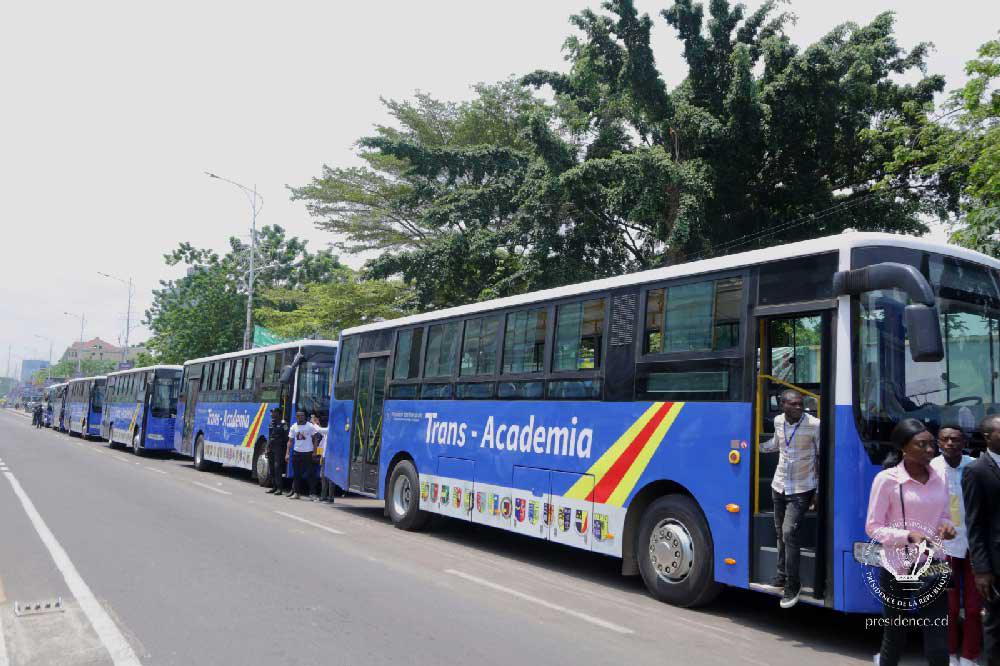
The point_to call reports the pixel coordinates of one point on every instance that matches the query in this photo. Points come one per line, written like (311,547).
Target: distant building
(99,350)
(29,368)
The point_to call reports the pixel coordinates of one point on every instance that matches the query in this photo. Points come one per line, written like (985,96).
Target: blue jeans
(788,513)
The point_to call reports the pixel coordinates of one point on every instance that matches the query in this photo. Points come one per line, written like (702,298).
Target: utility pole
(256,204)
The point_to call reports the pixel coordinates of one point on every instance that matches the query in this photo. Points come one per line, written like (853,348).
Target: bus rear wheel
(137,447)
(200,463)
(675,553)
(403,498)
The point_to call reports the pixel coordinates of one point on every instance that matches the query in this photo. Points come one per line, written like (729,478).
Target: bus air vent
(622,320)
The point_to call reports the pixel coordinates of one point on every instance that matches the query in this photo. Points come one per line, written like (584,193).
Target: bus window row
(559,350)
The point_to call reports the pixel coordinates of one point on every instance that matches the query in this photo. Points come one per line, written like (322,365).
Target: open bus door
(793,352)
(191,391)
(366,428)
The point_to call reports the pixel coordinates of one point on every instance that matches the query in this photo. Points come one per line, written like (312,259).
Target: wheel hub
(401,495)
(671,550)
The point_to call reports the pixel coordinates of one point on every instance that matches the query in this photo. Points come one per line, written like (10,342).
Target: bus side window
(237,380)
(248,374)
(224,376)
(439,361)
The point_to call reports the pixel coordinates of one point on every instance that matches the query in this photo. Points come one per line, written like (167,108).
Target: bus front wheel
(200,463)
(403,498)
(137,448)
(675,552)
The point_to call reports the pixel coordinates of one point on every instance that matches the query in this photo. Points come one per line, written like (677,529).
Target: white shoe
(875,659)
(952,660)
(962,661)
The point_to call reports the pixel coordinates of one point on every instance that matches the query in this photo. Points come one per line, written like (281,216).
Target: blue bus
(54,404)
(224,410)
(623,416)
(140,408)
(84,405)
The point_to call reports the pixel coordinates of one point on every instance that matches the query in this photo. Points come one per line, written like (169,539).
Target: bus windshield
(164,403)
(315,386)
(961,388)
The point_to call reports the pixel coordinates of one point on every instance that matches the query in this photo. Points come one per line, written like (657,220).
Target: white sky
(112,111)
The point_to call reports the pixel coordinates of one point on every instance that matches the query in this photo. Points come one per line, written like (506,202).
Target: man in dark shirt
(277,443)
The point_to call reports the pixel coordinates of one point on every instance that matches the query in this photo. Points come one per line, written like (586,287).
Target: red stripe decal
(607,483)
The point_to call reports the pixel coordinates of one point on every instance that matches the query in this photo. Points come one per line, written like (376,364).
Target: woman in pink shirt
(908,514)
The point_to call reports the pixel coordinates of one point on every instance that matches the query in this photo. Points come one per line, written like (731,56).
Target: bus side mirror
(289,372)
(924,331)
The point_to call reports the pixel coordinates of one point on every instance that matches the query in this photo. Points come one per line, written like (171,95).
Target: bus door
(793,352)
(190,400)
(366,427)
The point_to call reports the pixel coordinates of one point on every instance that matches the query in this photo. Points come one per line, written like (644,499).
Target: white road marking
(212,488)
(541,602)
(105,628)
(309,522)
(120,459)
(153,469)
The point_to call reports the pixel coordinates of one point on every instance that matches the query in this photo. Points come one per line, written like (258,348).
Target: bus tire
(137,447)
(200,463)
(402,498)
(262,467)
(675,553)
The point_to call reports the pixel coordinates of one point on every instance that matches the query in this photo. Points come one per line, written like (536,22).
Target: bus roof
(86,379)
(294,344)
(144,369)
(844,241)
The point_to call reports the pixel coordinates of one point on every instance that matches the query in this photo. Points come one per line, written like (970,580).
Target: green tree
(323,309)
(763,142)
(203,312)
(961,146)
(66,368)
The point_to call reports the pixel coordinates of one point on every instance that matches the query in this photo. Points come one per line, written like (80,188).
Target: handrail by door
(758,425)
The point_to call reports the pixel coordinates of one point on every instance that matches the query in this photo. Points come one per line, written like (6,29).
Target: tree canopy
(203,312)
(762,142)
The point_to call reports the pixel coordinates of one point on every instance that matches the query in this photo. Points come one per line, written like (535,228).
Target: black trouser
(933,615)
(788,513)
(991,627)
(276,463)
(302,471)
(326,487)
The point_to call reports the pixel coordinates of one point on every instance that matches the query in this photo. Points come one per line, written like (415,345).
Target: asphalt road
(158,563)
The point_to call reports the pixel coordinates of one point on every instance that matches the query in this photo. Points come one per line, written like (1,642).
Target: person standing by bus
(277,445)
(981,492)
(301,452)
(965,638)
(325,487)
(796,439)
(908,506)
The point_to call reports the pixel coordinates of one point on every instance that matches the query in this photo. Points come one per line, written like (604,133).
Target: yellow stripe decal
(251,435)
(631,477)
(582,488)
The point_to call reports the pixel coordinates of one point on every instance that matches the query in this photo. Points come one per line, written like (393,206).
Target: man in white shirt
(793,489)
(965,639)
(302,452)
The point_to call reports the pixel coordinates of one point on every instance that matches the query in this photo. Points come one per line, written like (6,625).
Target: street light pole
(83,322)
(48,372)
(128,313)
(256,204)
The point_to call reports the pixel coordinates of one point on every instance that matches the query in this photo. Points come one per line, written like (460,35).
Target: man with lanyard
(964,638)
(277,443)
(796,439)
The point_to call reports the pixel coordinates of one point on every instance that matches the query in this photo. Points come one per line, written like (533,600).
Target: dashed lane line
(212,488)
(611,626)
(318,526)
(153,469)
(105,628)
